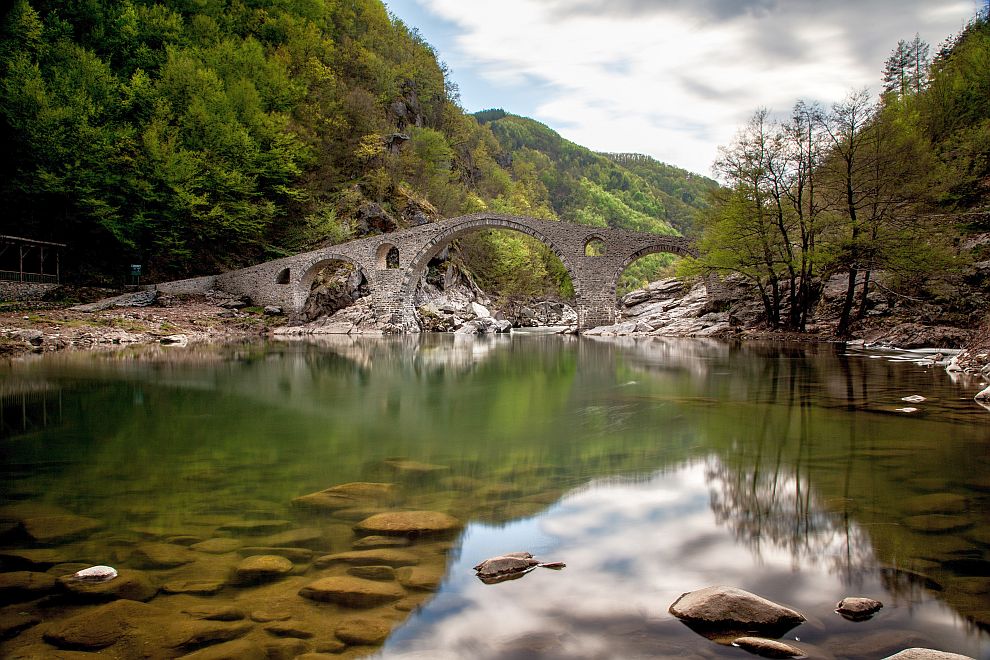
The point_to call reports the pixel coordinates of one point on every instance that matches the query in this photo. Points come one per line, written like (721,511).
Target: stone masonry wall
(286,282)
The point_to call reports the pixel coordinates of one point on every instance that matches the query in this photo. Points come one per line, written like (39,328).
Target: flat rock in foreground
(732,608)
(406,523)
(352,591)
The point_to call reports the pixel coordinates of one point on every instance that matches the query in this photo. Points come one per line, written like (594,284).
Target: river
(651,468)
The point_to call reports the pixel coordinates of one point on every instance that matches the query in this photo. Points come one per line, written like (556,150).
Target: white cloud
(675,79)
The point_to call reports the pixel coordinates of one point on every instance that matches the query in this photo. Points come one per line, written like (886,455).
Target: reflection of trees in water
(777,506)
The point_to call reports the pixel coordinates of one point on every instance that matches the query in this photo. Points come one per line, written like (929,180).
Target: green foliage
(193,137)
(864,188)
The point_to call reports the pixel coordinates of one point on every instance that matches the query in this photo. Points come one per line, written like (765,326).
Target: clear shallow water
(652,468)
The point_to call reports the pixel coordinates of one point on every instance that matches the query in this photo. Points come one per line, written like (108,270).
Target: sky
(670,78)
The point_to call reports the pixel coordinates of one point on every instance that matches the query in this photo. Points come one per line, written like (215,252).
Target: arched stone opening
(594,247)
(647,265)
(387,257)
(330,285)
(442,241)
(283,276)
(420,263)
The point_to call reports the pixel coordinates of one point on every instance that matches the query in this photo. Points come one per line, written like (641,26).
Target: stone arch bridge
(394,263)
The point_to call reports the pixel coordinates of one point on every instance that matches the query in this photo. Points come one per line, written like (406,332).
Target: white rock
(914,398)
(480,310)
(174,340)
(983,395)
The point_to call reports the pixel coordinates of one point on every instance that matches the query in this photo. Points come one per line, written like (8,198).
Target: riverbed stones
(34,559)
(381,557)
(420,578)
(128,585)
(730,608)
(239,649)
(345,496)
(215,612)
(369,542)
(14,622)
(303,537)
(935,503)
(295,555)
(858,608)
(193,587)
(352,592)
(217,546)
(256,527)
(935,523)
(191,634)
(18,586)
(59,528)
(101,626)
(926,654)
(261,568)
(384,573)
(409,523)
(363,631)
(768,648)
(414,468)
(161,555)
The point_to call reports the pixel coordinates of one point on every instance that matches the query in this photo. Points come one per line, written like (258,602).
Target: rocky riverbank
(664,308)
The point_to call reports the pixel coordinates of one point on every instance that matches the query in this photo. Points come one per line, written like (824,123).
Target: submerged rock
(128,585)
(768,648)
(352,591)
(347,496)
(161,555)
(239,649)
(101,626)
(409,523)
(56,529)
(24,585)
(364,631)
(926,654)
(379,557)
(261,568)
(733,609)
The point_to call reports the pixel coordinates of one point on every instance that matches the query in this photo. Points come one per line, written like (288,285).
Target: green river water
(651,468)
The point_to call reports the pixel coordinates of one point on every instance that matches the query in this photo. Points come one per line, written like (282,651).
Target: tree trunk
(863,304)
(847,304)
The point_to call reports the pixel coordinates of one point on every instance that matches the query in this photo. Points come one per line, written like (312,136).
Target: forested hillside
(193,137)
(893,193)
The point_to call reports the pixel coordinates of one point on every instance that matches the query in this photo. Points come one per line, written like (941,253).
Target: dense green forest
(193,136)
(884,191)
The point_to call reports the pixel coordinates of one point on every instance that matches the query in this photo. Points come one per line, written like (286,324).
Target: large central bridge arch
(467,225)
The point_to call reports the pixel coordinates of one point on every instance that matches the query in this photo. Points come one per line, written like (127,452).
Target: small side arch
(595,246)
(283,276)
(387,256)
(682,247)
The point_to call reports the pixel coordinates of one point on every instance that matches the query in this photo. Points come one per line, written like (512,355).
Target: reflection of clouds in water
(631,549)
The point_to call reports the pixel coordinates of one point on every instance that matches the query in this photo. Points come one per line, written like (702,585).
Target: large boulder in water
(729,608)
